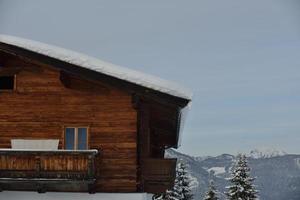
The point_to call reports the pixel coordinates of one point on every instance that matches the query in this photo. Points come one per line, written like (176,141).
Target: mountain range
(277,174)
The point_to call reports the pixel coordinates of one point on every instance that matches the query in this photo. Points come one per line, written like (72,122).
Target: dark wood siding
(45,101)
(157,132)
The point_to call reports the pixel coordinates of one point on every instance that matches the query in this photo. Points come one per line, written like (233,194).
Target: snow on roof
(100,66)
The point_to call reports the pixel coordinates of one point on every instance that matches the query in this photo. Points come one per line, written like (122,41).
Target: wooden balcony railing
(158,174)
(46,169)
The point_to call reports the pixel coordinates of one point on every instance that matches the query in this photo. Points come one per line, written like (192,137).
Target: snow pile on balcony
(13,195)
(34,144)
(100,66)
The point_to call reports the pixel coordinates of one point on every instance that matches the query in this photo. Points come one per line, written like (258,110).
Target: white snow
(201,158)
(297,161)
(100,66)
(194,183)
(217,170)
(34,144)
(265,153)
(7,195)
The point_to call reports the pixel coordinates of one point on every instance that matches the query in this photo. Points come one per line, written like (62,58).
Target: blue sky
(240,58)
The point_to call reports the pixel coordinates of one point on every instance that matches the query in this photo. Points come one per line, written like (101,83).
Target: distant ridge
(266,153)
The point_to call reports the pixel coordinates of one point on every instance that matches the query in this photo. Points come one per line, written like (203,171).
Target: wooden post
(143,141)
(91,166)
(145,131)
(91,173)
(40,188)
(38,166)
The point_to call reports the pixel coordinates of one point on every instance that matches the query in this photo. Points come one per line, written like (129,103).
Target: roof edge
(94,75)
(84,61)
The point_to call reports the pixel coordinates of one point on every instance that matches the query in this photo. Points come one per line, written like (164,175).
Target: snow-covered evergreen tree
(183,182)
(181,189)
(242,187)
(211,194)
(169,195)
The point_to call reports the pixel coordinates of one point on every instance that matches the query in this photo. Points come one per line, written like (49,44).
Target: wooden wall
(45,101)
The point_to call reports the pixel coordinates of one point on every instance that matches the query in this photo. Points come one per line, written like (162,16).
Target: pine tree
(173,194)
(181,189)
(211,194)
(242,184)
(183,182)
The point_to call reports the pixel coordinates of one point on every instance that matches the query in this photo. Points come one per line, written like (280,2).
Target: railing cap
(88,151)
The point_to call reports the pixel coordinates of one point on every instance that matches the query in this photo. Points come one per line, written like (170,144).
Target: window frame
(76,136)
(15,84)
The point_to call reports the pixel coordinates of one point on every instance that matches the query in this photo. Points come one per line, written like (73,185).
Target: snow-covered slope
(297,161)
(100,66)
(217,170)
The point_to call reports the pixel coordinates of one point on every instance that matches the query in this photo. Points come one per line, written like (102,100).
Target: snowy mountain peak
(266,153)
(201,158)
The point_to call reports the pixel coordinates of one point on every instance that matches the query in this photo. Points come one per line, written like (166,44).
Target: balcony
(44,170)
(159,174)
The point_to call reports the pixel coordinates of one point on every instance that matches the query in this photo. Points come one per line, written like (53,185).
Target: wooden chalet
(72,123)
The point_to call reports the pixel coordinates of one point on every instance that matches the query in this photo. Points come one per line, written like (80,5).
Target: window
(7,82)
(76,138)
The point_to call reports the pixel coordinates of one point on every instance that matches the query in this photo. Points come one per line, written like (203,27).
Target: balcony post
(91,173)
(91,166)
(38,166)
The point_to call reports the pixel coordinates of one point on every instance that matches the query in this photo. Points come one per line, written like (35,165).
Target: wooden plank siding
(44,103)
(158,174)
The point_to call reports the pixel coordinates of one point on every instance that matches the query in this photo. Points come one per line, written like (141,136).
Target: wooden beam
(143,139)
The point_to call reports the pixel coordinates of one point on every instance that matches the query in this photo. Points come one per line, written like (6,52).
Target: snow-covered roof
(100,66)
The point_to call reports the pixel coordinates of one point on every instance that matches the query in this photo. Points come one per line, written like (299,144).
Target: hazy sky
(240,58)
